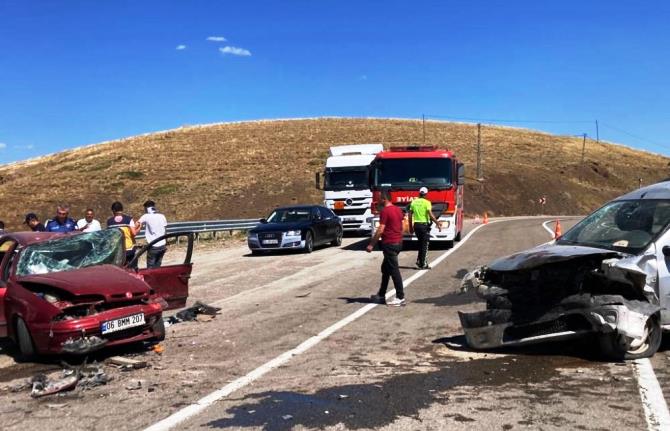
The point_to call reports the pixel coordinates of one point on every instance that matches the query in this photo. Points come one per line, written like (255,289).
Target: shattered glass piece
(83,345)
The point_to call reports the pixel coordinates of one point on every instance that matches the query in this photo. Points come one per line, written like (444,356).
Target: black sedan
(296,227)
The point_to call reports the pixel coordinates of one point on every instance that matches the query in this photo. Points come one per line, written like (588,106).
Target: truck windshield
(72,252)
(346,179)
(413,173)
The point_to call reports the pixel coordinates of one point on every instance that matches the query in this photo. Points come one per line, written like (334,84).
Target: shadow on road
(360,300)
(582,348)
(401,394)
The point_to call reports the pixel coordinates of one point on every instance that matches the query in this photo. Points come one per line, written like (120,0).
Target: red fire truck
(404,170)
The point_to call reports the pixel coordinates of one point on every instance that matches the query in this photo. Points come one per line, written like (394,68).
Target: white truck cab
(345,184)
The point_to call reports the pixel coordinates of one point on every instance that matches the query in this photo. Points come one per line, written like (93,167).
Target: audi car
(74,293)
(300,227)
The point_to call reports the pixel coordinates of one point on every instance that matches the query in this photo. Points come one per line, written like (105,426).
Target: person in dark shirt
(128,226)
(390,231)
(34,223)
(61,223)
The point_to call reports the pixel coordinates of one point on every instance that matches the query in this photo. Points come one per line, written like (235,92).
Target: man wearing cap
(61,223)
(420,217)
(34,223)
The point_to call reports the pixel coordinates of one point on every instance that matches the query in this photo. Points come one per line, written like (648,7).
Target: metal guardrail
(208,226)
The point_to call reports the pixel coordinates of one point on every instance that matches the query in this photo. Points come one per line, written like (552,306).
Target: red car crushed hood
(109,281)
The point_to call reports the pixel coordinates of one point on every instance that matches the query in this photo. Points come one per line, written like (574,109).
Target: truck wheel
(338,237)
(25,341)
(309,242)
(617,347)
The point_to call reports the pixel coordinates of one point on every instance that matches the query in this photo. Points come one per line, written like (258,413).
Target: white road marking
(194,409)
(547,228)
(655,408)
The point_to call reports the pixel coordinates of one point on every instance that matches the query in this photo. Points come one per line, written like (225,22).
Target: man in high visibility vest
(420,218)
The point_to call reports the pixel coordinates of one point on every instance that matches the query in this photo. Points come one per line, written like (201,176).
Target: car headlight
(293,233)
(252,236)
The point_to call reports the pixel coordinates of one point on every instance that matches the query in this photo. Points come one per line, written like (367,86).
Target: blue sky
(80,72)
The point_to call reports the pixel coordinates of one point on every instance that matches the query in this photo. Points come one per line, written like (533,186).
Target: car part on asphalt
(83,345)
(190,314)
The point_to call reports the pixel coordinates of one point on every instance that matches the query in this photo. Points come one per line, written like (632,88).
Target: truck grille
(350,211)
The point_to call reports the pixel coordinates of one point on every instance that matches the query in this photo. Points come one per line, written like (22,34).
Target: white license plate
(270,241)
(122,323)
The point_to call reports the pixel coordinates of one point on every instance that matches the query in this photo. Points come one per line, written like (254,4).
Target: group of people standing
(152,220)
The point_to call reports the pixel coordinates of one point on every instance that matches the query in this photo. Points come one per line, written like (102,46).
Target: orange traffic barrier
(557,229)
(486,218)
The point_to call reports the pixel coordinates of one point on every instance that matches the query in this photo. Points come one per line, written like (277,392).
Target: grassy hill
(240,170)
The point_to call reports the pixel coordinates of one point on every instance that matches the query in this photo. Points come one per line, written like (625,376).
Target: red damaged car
(74,294)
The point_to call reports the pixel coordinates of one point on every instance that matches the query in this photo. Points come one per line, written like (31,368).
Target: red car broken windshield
(72,252)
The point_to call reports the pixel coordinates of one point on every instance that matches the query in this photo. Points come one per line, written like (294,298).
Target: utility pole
(581,171)
(423,123)
(480,175)
(597,133)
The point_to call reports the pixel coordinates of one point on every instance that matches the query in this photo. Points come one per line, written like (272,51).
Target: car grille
(270,235)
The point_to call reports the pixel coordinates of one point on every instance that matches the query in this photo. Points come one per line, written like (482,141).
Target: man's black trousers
(422,232)
(390,269)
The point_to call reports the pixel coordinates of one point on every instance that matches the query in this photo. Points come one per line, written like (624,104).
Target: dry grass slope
(244,169)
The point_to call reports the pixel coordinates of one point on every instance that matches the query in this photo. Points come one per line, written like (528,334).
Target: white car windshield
(627,226)
(72,252)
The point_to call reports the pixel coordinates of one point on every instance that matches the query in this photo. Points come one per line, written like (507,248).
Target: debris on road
(287,417)
(127,363)
(43,386)
(197,312)
(157,348)
(135,385)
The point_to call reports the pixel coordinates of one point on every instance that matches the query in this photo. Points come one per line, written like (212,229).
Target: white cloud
(216,39)
(24,147)
(3,146)
(180,47)
(233,50)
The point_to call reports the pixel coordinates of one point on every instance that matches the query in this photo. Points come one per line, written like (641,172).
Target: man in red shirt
(390,232)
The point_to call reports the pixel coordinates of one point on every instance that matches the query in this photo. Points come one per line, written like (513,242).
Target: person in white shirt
(154,224)
(88,223)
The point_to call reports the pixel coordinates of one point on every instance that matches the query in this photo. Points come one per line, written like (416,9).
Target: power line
(635,136)
(498,120)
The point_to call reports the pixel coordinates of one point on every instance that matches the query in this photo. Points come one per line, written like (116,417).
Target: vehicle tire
(159,330)
(24,340)
(458,236)
(309,242)
(450,244)
(615,347)
(338,237)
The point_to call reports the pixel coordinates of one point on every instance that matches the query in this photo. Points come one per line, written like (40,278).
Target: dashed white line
(194,409)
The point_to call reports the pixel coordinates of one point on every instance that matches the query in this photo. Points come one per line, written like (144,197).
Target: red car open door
(7,248)
(170,281)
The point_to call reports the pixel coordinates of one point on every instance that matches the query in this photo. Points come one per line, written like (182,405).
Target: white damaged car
(609,275)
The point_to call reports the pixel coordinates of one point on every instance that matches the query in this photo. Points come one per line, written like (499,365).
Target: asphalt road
(384,368)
